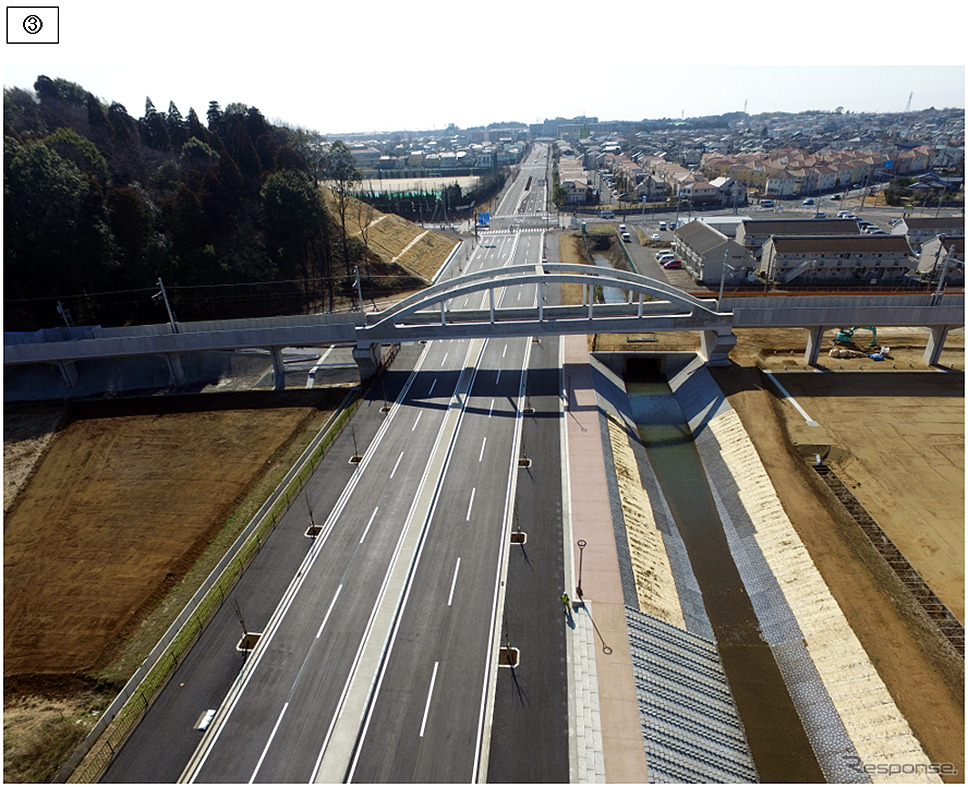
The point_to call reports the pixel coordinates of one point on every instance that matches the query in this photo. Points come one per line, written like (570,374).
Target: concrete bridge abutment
(715,346)
(814,340)
(932,353)
(369,358)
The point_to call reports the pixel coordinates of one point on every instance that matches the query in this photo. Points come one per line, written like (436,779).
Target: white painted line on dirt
(430,693)
(794,402)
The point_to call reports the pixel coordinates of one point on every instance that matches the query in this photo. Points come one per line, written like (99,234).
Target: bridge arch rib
(541,274)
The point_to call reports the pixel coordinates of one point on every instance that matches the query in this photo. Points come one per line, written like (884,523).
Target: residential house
(936,252)
(753,233)
(707,254)
(920,230)
(836,259)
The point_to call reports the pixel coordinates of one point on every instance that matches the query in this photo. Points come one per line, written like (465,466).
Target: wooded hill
(98,205)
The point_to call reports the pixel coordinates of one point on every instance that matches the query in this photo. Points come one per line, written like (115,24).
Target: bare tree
(343,177)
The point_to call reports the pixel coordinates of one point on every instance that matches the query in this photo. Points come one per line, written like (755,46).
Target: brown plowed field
(120,504)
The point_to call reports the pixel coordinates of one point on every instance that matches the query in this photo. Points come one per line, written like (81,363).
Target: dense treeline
(99,205)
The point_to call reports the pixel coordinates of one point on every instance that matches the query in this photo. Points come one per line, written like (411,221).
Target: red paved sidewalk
(624,752)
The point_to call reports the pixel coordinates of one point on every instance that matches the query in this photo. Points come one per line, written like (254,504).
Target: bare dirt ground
(103,544)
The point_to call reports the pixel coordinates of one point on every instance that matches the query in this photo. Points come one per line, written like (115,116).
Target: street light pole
(581,550)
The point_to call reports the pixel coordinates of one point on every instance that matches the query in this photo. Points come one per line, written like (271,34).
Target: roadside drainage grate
(949,626)
(519,537)
(356,459)
(509,657)
(313,530)
(248,641)
(524,462)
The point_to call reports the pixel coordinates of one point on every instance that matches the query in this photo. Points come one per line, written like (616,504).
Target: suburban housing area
(276,548)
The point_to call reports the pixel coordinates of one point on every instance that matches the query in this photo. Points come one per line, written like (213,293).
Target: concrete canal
(778,743)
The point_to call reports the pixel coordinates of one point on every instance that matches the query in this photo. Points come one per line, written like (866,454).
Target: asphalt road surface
(379,638)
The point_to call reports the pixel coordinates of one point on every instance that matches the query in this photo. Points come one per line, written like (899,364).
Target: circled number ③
(33,24)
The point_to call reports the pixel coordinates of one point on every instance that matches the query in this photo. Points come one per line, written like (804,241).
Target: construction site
(856,510)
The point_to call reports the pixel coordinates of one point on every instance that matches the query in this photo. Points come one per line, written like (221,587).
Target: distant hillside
(100,205)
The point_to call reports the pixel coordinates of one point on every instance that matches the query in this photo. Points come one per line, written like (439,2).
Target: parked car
(672,225)
(672,265)
(656,236)
(662,225)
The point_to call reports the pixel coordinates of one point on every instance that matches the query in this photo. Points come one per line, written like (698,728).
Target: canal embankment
(853,726)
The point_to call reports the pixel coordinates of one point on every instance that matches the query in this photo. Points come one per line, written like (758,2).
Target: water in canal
(778,743)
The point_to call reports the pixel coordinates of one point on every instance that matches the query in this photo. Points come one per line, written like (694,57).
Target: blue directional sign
(483,219)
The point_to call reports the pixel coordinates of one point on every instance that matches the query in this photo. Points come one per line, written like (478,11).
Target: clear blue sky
(382,65)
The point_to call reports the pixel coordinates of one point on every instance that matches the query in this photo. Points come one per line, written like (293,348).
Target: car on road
(626,237)
(808,202)
(662,225)
(672,225)
(656,236)
(672,265)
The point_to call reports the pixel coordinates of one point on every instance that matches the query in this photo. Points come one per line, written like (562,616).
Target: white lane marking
(470,505)
(417,421)
(481,457)
(312,372)
(432,387)
(393,472)
(372,517)
(430,693)
(331,605)
(490,409)
(794,402)
(268,743)
(505,351)
(453,583)
(444,359)
(498,377)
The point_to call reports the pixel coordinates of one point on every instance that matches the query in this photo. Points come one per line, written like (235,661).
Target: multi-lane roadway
(379,662)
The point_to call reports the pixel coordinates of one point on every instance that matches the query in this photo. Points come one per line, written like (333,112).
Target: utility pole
(164,296)
(64,312)
(359,288)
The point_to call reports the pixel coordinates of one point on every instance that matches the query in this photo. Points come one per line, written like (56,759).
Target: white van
(663,225)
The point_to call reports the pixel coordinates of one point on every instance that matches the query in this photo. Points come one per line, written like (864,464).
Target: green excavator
(846,335)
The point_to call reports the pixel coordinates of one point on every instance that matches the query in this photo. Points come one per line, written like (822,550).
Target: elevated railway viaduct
(434,313)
